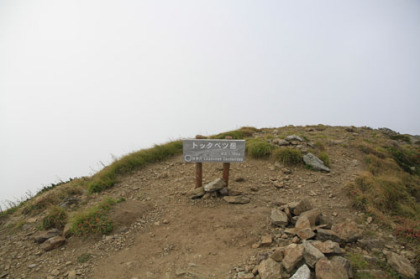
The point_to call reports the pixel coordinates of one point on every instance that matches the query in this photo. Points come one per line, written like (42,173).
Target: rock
(196,193)
(278,218)
(224,191)
(325,269)
(32,266)
(311,254)
(269,269)
(55,272)
(67,231)
(306,233)
(293,254)
(345,263)
(302,273)
(266,240)
(239,179)
(347,231)
(215,185)
(280,142)
(72,274)
(237,199)
(234,193)
(312,215)
(45,235)
(302,223)
(372,273)
(324,235)
(315,163)
(245,275)
(302,206)
(69,202)
(294,138)
(53,243)
(371,243)
(325,220)
(400,264)
(278,255)
(327,247)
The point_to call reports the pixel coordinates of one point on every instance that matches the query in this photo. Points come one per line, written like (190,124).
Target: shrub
(258,148)
(83,258)
(56,218)
(288,156)
(94,220)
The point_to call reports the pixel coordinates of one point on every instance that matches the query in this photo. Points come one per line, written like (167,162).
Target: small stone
(278,255)
(53,243)
(307,233)
(245,275)
(266,240)
(255,246)
(347,231)
(72,274)
(335,214)
(302,206)
(315,163)
(237,199)
(196,193)
(326,269)
(55,272)
(369,220)
(401,265)
(303,272)
(278,218)
(215,185)
(293,254)
(327,247)
(324,235)
(311,254)
(32,266)
(224,191)
(269,269)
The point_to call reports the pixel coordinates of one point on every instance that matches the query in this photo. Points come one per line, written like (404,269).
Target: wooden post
(198,172)
(198,175)
(226,168)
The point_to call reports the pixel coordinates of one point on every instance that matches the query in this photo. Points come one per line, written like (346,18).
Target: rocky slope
(275,221)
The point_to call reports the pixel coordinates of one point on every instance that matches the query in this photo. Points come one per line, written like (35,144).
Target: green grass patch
(106,178)
(241,133)
(288,156)
(407,159)
(323,156)
(94,220)
(258,148)
(84,258)
(56,218)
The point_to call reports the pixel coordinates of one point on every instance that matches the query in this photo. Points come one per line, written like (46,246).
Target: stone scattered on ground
(315,163)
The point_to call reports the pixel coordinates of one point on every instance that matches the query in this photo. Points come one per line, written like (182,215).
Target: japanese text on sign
(204,150)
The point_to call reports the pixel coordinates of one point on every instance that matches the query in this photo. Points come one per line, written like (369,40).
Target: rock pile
(218,188)
(309,245)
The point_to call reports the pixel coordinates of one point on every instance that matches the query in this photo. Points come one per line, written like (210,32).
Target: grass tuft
(258,148)
(94,220)
(56,218)
(288,156)
(106,178)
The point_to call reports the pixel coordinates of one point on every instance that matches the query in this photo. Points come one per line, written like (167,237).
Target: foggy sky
(82,81)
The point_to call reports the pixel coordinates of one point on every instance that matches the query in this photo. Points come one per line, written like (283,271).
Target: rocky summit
(308,202)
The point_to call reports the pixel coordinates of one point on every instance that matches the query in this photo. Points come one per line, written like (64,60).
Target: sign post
(208,150)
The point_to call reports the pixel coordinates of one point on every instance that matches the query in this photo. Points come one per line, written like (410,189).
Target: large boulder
(45,235)
(314,162)
(327,247)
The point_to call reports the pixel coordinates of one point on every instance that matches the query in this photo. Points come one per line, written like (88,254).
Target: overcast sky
(82,81)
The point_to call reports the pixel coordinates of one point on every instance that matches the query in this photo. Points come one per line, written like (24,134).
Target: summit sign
(208,150)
